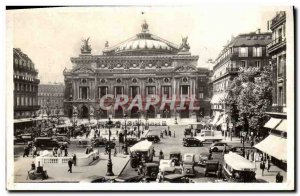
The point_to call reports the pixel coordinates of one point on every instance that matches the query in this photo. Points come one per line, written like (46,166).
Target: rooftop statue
(106,44)
(184,45)
(86,48)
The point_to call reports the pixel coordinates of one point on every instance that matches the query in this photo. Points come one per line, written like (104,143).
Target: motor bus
(140,153)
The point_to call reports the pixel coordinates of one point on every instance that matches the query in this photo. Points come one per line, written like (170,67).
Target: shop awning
(272,123)
(216,118)
(275,146)
(21,120)
(222,120)
(282,126)
(218,98)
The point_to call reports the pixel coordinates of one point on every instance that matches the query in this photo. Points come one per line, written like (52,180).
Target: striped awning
(216,118)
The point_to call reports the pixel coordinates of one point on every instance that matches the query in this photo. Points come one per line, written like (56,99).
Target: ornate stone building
(25,86)
(51,99)
(144,65)
(243,51)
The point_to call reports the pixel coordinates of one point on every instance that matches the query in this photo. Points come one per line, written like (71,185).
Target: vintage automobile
(141,153)
(238,169)
(98,141)
(237,149)
(150,171)
(94,179)
(189,164)
(153,138)
(176,178)
(219,146)
(131,141)
(46,142)
(127,179)
(192,142)
(203,158)
(176,157)
(211,167)
(63,140)
(164,163)
(24,138)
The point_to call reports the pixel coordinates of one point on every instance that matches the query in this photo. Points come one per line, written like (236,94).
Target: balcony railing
(276,41)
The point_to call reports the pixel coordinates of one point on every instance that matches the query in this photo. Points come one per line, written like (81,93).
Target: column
(115,91)
(80,92)
(180,91)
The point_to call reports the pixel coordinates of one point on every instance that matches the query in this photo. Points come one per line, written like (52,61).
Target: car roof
(151,164)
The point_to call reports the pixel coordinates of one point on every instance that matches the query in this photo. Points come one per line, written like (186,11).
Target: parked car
(94,179)
(211,167)
(62,139)
(203,158)
(176,178)
(192,142)
(237,149)
(131,141)
(189,164)
(126,179)
(153,138)
(176,157)
(164,163)
(150,171)
(218,146)
(98,141)
(46,142)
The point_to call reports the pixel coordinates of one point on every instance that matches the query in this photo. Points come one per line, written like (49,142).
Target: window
(243,52)
(185,90)
(201,88)
(257,51)
(201,95)
(103,91)
(150,90)
(119,90)
(257,64)
(166,90)
(243,64)
(281,63)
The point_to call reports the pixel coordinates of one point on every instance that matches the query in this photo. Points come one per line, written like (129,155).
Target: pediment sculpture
(83,70)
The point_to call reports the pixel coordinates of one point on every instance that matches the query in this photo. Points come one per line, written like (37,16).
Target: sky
(51,36)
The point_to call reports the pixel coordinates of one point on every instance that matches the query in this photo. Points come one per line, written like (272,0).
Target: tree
(249,96)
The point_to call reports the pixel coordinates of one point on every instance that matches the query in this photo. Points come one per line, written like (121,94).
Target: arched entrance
(166,113)
(134,112)
(84,112)
(185,113)
(119,112)
(151,112)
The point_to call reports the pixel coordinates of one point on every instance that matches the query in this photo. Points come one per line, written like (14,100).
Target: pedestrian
(248,154)
(34,151)
(70,163)
(161,135)
(262,167)
(153,152)
(220,171)
(74,159)
(174,134)
(170,134)
(59,152)
(26,151)
(252,143)
(279,178)
(87,150)
(66,152)
(115,152)
(161,154)
(269,165)
(166,133)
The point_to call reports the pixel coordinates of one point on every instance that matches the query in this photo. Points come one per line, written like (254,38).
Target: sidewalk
(59,173)
(269,176)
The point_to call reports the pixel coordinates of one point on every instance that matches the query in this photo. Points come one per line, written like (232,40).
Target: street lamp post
(139,123)
(109,163)
(125,132)
(57,114)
